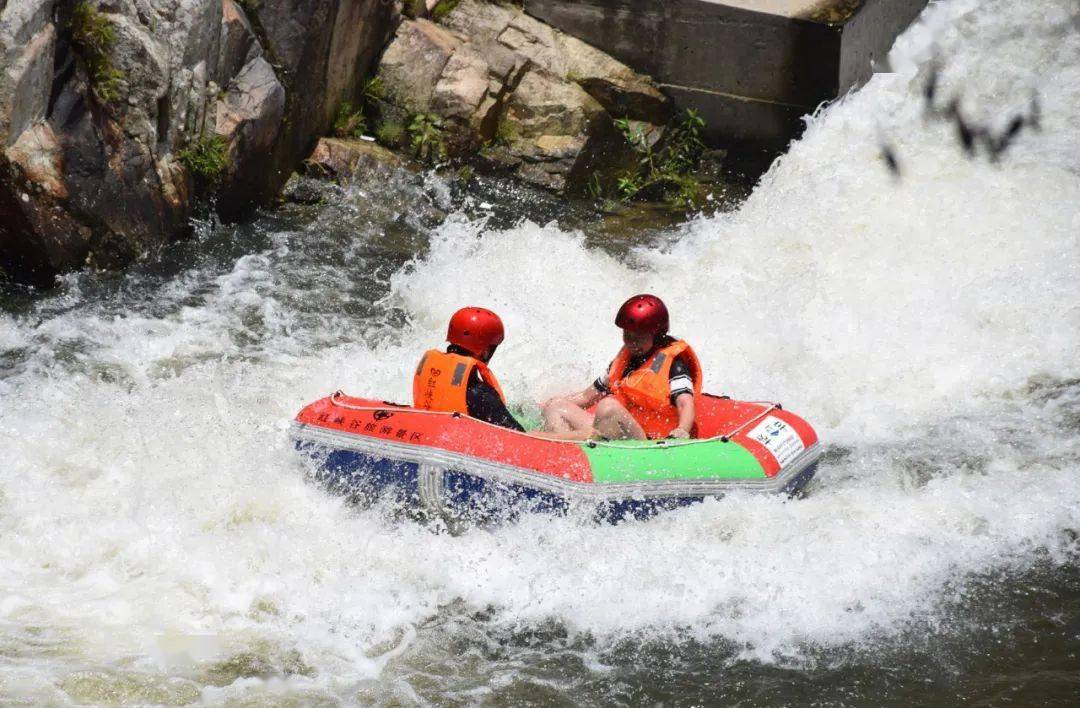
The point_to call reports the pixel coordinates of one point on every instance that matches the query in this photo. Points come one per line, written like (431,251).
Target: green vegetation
(666,172)
(506,132)
(350,122)
(93,37)
(444,8)
(466,174)
(390,133)
(427,137)
(206,159)
(373,90)
(593,187)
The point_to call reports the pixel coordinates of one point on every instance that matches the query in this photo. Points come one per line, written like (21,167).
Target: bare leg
(564,416)
(614,422)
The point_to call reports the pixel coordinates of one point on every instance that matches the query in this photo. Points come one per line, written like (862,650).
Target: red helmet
(475,329)
(643,313)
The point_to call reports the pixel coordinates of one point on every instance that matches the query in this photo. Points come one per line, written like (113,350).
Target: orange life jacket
(646,391)
(442,379)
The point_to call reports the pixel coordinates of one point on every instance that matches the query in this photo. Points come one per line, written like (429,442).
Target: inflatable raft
(460,468)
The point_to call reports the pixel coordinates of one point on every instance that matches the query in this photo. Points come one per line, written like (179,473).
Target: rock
(32,195)
(560,133)
(250,115)
(84,180)
(142,61)
(619,89)
(342,159)
(360,31)
(488,66)
(319,50)
(37,152)
(36,261)
(482,21)
(250,119)
(238,43)
(25,84)
(115,190)
(413,63)
(416,9)
(462,86)
(27,41)
(623,92)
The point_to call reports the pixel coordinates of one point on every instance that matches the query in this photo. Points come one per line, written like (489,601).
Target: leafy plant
(427,134)
(206,158)
(593,187)
(628,186)
(666,172)
(93,37)
(390,134)
(685,146)
(373,89)
(350,123)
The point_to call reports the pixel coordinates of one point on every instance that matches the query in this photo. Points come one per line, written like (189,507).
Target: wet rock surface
(342,159)
(100,101)
(117,116)
(532,101)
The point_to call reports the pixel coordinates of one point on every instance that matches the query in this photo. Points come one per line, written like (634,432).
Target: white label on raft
(779,438)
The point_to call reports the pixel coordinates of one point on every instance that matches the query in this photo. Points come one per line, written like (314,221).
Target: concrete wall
(752,68)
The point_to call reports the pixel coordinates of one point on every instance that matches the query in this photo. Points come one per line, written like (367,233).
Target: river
(161,543)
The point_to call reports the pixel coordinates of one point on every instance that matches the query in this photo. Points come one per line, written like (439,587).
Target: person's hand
(679,434)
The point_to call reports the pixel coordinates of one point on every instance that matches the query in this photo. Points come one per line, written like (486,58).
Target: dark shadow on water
(998,639)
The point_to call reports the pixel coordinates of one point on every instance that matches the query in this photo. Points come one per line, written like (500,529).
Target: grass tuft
(206,159)
(93,38)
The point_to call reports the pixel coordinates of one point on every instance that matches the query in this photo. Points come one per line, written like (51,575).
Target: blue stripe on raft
(363,478)
(366,479)
(478,499)
(797,483)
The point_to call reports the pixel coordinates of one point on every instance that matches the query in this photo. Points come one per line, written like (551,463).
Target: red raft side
(405,425)
(395,423)
(718,416)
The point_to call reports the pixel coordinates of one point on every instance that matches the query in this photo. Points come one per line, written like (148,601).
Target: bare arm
(685,405)
(586,398)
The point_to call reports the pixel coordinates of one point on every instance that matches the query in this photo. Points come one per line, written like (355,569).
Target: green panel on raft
(647,461)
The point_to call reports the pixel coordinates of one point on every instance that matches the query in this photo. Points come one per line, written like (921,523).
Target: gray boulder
(25,81)
(618,88)
(413,63)
(250,118)
(516,89)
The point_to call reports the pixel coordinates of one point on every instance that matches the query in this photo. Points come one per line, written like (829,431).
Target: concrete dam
(751,68)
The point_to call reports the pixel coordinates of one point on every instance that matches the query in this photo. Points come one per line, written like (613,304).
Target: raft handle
(725,438)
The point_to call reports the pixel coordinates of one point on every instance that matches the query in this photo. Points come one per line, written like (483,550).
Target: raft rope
(618,445)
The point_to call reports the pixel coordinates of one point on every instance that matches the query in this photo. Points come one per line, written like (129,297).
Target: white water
(154,519)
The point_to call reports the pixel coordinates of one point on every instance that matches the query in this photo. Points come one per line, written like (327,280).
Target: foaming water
(161,544)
